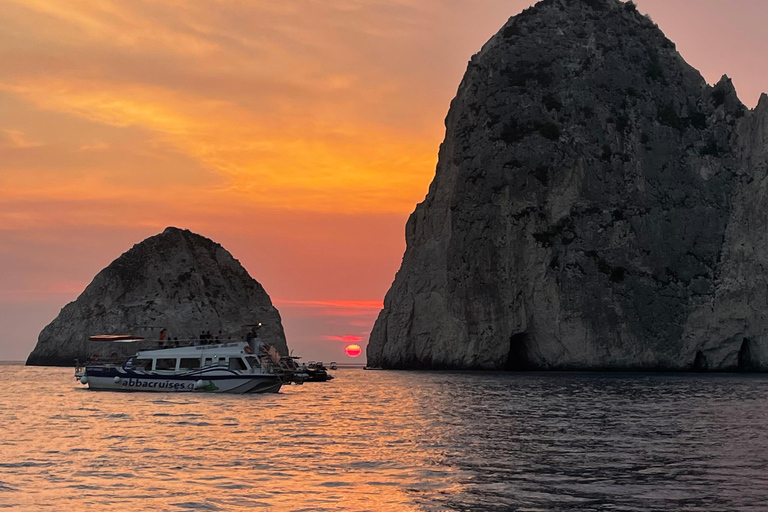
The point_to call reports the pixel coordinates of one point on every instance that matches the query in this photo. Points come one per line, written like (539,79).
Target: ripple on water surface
(390,441)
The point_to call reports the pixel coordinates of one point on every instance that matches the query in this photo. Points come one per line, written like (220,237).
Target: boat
(315,372)
(236,367)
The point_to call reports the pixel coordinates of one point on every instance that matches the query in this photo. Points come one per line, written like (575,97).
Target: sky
(299,134)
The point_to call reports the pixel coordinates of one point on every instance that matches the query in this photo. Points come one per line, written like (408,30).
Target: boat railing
(111,360)
(193,342)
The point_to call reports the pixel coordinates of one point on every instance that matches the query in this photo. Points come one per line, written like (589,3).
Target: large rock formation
(596,205)
(178,281)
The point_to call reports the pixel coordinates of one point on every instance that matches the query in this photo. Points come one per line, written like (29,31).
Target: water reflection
(390,441)
(609,442)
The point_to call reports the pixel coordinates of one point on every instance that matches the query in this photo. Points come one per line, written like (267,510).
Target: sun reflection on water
(325,446)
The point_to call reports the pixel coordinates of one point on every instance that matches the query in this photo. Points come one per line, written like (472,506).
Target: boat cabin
(173,360)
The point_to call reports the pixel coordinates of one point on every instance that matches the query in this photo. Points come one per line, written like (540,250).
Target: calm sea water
(390,441)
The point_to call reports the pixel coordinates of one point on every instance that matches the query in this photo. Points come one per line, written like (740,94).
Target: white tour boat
(221,368)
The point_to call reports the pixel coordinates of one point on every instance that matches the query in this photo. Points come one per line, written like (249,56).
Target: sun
(353,350)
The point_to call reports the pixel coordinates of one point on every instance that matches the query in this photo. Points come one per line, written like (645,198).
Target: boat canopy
(117,338)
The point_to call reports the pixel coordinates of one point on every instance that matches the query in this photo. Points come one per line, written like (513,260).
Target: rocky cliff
(178,281)
(596,205)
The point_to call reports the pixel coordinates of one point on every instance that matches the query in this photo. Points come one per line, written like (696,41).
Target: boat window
(222,361)
(236,363)
(142,364)
(253,362)
(165,364)
(189,363)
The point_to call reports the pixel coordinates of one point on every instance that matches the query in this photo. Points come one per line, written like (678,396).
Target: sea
(390,441)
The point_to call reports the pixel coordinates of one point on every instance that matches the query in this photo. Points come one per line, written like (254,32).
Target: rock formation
(596,205)
(178,281)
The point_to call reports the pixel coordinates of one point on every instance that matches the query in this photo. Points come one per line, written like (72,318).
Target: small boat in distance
(236,367)
(315,372)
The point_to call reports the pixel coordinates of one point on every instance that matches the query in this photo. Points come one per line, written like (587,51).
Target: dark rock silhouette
(596,206)
(178,281)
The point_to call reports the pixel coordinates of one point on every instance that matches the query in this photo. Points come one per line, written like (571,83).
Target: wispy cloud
(55,291)
(347,338)
(293,102)
(17,139)
(349,309)
(95,146)
(375,304)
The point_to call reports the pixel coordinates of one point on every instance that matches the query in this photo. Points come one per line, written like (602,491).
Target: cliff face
(176,280)
(596,205)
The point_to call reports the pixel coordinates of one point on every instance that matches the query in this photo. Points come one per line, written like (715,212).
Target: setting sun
(353,350)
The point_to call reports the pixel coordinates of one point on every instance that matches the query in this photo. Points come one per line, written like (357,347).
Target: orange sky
(297,133)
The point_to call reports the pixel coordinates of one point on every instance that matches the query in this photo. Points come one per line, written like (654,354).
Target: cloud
(95,146)
(53,291)
(374,304)
(296,103)
(347,338)
(16,139)
(367,309)
(291,162)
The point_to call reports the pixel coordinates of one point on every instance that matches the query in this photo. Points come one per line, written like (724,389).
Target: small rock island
(178,281)
(596,206)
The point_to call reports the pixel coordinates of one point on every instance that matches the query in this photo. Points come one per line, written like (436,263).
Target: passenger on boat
(161,339)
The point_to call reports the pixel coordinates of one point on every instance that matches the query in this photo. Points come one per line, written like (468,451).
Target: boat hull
(213,381)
